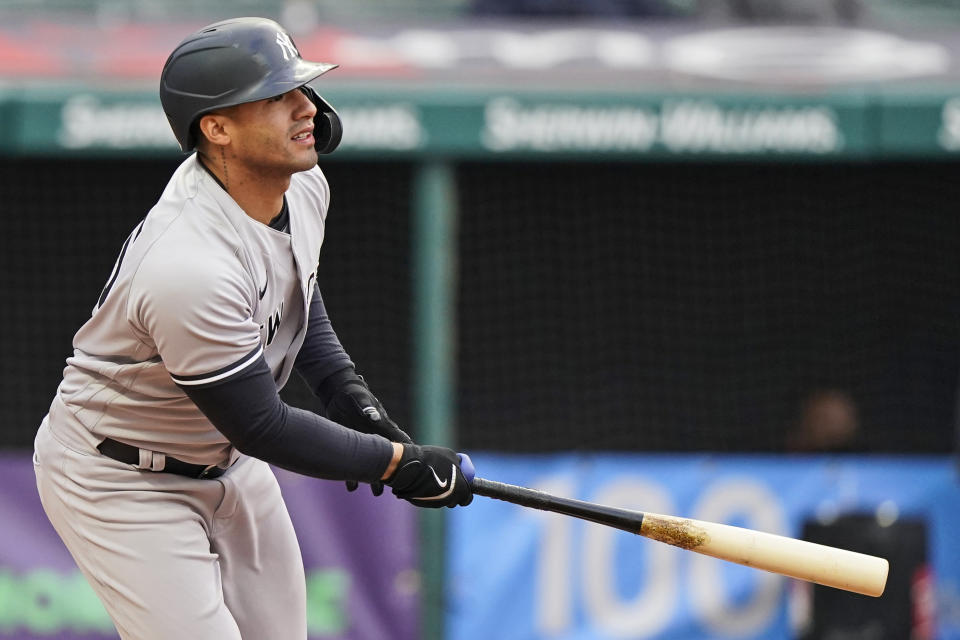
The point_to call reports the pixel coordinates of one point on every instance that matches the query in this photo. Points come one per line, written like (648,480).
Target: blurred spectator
(579,8)
(784,11)
(790,11)
(828,422)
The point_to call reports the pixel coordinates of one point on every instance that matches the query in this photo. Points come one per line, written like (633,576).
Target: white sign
(87,122)
(679,126)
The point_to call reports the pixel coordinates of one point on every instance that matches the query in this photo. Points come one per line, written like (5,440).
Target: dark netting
(602,306)
(365,279)
(697,307)
(66,219)
(64,223)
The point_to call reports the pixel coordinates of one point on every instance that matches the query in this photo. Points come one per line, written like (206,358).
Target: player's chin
(305,159)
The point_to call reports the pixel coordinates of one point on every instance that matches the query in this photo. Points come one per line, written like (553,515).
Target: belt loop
(146,459)
(152,460)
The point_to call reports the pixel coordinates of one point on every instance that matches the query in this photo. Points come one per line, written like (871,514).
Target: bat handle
(466,466)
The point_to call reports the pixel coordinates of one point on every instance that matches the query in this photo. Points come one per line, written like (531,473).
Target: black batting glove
(353,405)
(348,401)
(428,476)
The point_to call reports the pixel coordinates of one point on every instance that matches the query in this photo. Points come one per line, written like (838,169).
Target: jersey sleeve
(199,315)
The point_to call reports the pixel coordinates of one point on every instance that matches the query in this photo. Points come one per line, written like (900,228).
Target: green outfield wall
(492,124)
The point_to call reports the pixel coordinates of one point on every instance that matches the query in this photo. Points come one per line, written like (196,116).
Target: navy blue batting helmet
(236,61)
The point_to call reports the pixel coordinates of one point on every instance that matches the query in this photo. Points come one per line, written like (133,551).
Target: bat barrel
(800,559)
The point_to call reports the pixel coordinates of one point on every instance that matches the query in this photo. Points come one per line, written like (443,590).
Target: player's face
(276,134)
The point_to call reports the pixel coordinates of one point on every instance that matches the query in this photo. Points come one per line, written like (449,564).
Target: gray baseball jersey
(199,291)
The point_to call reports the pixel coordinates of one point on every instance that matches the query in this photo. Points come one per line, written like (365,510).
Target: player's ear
(213,127)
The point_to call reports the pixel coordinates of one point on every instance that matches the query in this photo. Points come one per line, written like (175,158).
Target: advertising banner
(490,123)
(518,573)
(358,587)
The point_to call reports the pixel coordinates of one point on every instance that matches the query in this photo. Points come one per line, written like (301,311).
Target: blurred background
(695,257)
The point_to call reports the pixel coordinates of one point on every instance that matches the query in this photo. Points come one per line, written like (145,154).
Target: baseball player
(152,463)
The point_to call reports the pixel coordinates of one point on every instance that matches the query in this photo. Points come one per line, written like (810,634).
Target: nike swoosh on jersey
(263,291)
(453,483)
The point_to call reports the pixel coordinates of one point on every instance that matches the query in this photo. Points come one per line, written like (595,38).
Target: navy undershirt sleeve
(247,409)
(321,354)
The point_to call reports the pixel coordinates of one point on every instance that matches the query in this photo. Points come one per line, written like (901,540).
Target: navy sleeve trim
(220,374)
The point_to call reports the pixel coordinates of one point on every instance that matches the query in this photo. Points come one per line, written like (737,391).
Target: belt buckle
(206,471)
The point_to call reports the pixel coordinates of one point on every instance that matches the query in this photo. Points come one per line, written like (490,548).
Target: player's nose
(304,106)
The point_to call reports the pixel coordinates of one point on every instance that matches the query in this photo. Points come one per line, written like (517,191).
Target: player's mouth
(304,137)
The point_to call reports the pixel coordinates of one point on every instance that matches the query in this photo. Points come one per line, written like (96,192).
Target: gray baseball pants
(175,557)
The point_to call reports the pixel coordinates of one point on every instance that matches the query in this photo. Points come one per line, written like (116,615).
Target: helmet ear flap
(331,131)
(328,129)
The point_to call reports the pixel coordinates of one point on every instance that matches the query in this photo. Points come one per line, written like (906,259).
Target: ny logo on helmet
(286,46)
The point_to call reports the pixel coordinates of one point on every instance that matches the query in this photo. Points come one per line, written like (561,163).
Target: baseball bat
(829,566)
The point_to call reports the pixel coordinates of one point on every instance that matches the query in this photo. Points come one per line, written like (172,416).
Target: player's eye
(276,98)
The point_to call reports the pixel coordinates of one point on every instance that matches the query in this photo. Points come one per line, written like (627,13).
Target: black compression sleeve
(321,353)
(248,411)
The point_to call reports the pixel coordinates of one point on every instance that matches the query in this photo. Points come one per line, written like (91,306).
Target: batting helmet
(236,61)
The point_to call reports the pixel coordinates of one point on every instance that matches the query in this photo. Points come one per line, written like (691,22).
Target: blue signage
(518,573)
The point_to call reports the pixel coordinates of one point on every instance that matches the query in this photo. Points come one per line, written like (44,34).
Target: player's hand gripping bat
(800,559)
